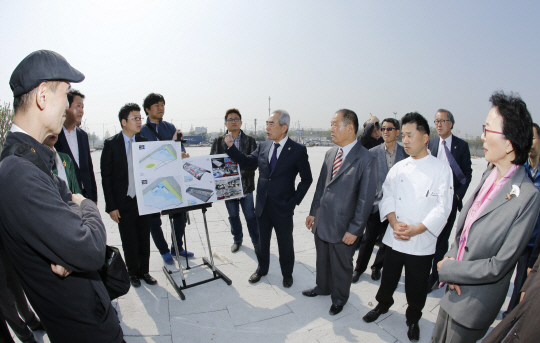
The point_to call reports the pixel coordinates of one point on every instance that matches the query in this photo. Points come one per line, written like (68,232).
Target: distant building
(200,130)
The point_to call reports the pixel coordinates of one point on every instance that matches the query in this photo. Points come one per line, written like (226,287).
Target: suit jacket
(85,169)
(380,153)
(343,203)
(495,243)
(521,325)
(277,187)
(461,153)
(114,171)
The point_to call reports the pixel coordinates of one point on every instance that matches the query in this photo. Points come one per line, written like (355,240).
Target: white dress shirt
(280,147)
(71,138)
(347,148)
(441,154)
(417,191)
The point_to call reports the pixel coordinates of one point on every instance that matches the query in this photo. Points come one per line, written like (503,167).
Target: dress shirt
(417,191)
(71,138)
(441,154)
(347,148)
(390,156)
(280,147)
(15,128)
(236,141)
(534,170)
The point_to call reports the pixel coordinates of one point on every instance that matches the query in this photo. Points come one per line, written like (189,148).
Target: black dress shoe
(287,282)
(235,247)
(414,332)
(135,282)
(309,293)
(335,309)
(375,274)
(148,279)
(255,277)
(355,276)
(372,315)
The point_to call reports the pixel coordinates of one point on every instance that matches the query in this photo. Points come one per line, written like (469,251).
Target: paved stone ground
(264,312)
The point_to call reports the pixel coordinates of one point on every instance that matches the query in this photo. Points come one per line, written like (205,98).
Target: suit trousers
(334,269)
(521,277)
(135,235)
(448,330)
(442,243)
(416,276)
(282,223)
(374,229)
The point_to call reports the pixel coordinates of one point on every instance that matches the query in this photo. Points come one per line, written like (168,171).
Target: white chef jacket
(418,191)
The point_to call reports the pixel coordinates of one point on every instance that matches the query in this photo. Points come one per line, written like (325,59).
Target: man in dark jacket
(118,180)
(246,144)
(55,240)
(157,129)
(371,136)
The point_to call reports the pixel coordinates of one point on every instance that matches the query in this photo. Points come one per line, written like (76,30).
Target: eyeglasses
(389,129)
(135,118)
(230,120)
(486,130)
(441,121)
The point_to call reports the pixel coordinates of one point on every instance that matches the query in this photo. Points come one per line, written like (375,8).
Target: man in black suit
(73,141)
(455,152)
(118,180)
(340,209)
(279,160)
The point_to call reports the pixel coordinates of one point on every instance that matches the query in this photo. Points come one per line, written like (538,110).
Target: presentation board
(164,181)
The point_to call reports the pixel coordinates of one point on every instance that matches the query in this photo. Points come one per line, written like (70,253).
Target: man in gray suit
(340,208)
(388,154)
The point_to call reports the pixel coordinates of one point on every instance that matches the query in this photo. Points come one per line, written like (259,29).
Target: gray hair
(284,118)
(450,115)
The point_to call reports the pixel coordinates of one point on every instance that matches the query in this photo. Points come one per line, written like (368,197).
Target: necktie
(337,162)
(273,160)
(131,176)
(453,164)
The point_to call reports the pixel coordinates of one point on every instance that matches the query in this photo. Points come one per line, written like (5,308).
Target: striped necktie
(337,162)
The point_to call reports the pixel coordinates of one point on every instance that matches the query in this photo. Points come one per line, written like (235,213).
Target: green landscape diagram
(163,192)
(159,157)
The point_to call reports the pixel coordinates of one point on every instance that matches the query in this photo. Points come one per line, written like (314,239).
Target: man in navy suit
(455,152)
(279,160)
(73,141)
(118,181)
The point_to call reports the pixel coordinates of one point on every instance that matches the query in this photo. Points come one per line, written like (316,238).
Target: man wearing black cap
(55,240)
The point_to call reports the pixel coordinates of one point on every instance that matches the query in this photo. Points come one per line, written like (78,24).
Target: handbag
(114,273)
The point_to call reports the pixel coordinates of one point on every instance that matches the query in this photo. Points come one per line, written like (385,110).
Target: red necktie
(337,162)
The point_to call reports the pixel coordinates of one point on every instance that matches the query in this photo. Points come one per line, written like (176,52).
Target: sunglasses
(389,129)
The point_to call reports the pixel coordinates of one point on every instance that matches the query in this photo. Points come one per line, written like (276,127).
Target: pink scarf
(488,191)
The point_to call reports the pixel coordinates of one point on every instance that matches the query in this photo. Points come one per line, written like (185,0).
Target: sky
(311,57)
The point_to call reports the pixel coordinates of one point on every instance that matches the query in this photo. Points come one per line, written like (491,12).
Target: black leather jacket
(247,146)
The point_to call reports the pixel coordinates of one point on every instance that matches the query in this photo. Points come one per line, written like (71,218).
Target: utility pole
(269,106)
(395,113)
(255,126)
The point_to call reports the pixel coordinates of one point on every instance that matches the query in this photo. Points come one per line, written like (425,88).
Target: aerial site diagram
(158,158)
(200,193)
(163,192)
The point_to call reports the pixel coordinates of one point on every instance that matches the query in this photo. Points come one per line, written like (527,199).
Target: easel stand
(206,262)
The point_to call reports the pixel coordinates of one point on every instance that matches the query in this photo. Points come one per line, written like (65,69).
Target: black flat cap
(41,66)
